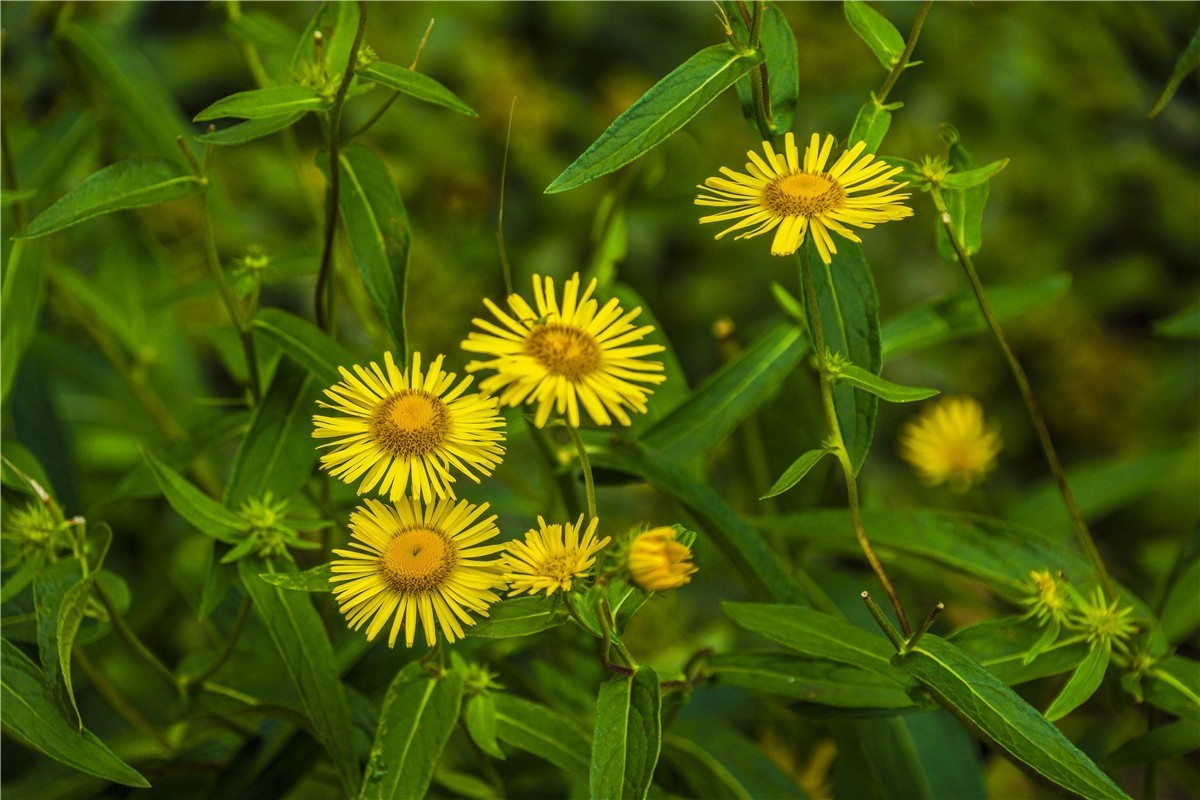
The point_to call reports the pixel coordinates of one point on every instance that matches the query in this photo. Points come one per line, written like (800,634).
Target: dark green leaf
(299,636)
(877,758)
(1157,744)
(272,102)
(974,694)
(1178,616)
(31,716)
(1188,60)
(20,307)
(127,184)
(206,514)
(1183,324)
(1000,646)
(545,733)
(738,765)
(728,396)
(661,111)
(414,84)
(1084,682)
(518,616)
(783,68)
(628,736)
(814,681)
(873,28)
(415,722)
(1174,685)
(481,724)
(304,343)
(49,588)
(971,178)
(949,753)
(884,389)
(871,124)
(310,580)
(70,617)
(277,452)
(251,129)
(796,472)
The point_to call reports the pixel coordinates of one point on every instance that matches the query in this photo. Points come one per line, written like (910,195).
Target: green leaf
(738,766)
(304,343)
(339,44)
(873,28)
(796,472)
(310,580)
(49,589)
(70,617)
(728,396)
(481,724)
(272,102)
(1001,646)
(968,179)
(878,758)
(850,313)
(628,736)
(277,453)
(414,84)
(127,184)
(964,205)
(205,514)
(958,315)
(1183,324)
(1084,682)
(544,732)
(783,68)
(380,237)
(20,307)
(884,389)
(703,771)
(251,129)
(418,715)
(974,694)
(871,124)
(1178,611)
(813,681)
(299,636)
(1157,744)
(31,717)
(1188,61)
(661,111)
(518,616)
(1173,685)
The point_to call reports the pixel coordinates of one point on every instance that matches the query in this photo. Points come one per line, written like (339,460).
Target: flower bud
(657,562)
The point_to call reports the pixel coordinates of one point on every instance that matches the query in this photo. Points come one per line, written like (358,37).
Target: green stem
(760,82)
(588,484)
(817,330)
(118,702)
(925,626)
(136,646)
(324,294)
(1031,404)
(882,621)
(909,46)
(230,642)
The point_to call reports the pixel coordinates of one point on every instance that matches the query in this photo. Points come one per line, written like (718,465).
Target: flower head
(35,531)
(951,442)
(1104,621)
(657,562)
(1049,597)
(414,564)
(268,531)
(559,356)
(792,197)
(408,429)
(546,560)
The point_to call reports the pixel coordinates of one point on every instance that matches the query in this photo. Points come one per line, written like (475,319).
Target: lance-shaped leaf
(783,67)
(872,123)
(976,696)
(310,580)
(31,717)
(304,343)
(49,592)
(414,84)
(481,724)
(873,28)
(544,732)
(859,378)
(813,681)
(1001,647)
(1084,682)
(1173,685)
(661,111)
(1188,61)
(127,184)
(970,178)
(1157,744)
(20,307)
(628,736)
(717,762)
(251,129)
(964,205)
(274,101)
(206,514)
(796,472)
(418,715)
(519,616)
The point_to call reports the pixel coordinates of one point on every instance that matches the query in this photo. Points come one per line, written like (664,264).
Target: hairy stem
(909,46)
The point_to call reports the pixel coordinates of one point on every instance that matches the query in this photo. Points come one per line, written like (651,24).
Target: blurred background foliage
(1094,189)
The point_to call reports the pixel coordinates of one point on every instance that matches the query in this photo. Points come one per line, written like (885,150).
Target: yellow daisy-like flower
(408,429)
(546,560)
(561,355)
(657,562)
(951,443)
(791,197)
(415,564)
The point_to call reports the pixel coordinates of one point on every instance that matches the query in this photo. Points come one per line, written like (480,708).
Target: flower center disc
(564,350)
(560,567)
(417,560)
(803,194)
(410,423)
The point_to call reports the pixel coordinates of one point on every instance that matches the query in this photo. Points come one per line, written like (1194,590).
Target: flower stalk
(589,484)
(909,46)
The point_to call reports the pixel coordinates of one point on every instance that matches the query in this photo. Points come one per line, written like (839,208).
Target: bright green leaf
(20,307)
(481,724)
(871,125)
(1188,61)
(251,129)
(50,588)
(1157,744)
(964,205)
(859,378)
(813,681)
(544,732)
(1084,682)
(783,68)
(628,736)
(518,616)
(310,580)
(873,28)
(796,472)
(272,102)
(1173,685)
(738,766)
(414,84)
(1001,647)
(304,343)
(206,514)
(971,178)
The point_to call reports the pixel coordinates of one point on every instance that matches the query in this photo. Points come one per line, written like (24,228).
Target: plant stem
(909,46)
(588,485)
(230,642)
(118,702)
(882,620)
(1039,422)
(760,83)
(925,626)
(324,294)
(10,179)
(835,433)
(136,646)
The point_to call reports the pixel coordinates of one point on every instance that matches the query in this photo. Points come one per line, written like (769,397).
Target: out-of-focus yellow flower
(657,562)
(550,558)
(792,197)
(951,442)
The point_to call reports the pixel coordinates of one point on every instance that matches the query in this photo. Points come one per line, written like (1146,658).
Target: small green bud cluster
(268,532)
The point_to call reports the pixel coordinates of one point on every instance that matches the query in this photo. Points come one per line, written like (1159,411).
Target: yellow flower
(951,442)
(417,564)
(657,562)
(780,193)
(559,356)
(408,429)
(544,561)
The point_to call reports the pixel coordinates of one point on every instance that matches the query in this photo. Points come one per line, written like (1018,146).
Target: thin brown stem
(909,46)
